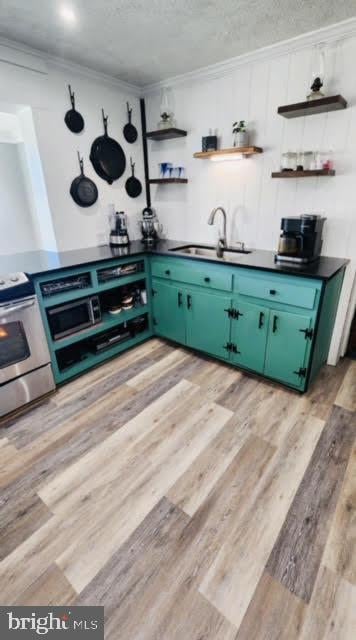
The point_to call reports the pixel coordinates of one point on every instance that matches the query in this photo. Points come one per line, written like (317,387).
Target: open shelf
(303,174)
(311,107)
(166,134)
(108,321)
(246,151)
(168,181)
(93,360)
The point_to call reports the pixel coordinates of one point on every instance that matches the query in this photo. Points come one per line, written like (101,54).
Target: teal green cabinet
(208,322)
(288,345)
(249,327)
(168,310)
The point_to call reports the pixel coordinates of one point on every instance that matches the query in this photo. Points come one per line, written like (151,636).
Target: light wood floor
(193,501)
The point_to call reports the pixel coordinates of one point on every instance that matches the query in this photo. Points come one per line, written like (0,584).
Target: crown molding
(333,33)
(20,55)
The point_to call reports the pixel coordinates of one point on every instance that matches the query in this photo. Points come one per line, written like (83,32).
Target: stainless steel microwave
(73,316)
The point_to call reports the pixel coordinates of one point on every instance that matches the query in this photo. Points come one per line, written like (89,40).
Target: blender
(119,236)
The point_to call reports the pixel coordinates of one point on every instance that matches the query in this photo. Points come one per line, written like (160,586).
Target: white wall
(47,95)
(254,202)
(15,217)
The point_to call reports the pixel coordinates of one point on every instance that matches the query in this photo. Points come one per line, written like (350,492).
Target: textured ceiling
(143,41)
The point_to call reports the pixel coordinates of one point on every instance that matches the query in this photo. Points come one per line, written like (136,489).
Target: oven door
(23,344)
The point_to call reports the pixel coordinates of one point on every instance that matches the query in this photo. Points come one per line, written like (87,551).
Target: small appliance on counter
(301,238)
(119,236)
(150,226)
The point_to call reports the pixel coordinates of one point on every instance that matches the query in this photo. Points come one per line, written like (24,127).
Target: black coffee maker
(301,239)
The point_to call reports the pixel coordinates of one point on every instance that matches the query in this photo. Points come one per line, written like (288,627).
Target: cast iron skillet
(133,185)
(73,119)
(130,132)
(83,190)
(106,155)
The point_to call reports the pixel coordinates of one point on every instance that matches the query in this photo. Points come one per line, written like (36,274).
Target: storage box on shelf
(74,353)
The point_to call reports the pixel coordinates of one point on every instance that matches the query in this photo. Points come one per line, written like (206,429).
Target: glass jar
(289,161)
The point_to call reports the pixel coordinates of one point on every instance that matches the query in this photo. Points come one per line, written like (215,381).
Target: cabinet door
(249,335)
(207,322)
(168,311)
(287,347)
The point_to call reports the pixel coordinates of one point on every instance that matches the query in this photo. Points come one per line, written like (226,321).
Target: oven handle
(6,309)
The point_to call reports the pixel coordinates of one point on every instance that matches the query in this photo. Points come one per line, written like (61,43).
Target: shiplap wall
(254,202)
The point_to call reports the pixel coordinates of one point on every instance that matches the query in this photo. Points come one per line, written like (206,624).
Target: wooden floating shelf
(166,134)
(168,181)
(246,151)
(311,107)
(303,174)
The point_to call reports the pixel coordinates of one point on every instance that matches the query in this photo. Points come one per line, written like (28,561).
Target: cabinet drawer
(209,277)
(277,291)
(162,270)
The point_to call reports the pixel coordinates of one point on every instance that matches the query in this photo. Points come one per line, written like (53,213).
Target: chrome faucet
(221,245)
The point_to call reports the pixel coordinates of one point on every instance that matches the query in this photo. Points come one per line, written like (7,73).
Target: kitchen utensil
(73,119)
(133,186)
(130,132)
(83,190)
(150,226)
(107,156)
(118,234)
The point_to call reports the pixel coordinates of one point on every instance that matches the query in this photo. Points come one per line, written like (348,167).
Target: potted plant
(240,134)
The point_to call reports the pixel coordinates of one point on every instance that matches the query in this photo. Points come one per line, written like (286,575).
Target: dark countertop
(37,262)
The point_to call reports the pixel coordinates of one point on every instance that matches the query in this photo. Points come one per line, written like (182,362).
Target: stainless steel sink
(229,255)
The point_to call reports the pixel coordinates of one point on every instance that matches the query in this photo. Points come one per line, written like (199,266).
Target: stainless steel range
(25,369)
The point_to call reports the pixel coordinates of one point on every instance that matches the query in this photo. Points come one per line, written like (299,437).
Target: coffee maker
(150,226)
(119,236)
(301,239)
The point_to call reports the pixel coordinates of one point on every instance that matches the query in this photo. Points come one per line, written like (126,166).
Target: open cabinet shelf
(166,134)
(246,151)
(311,107)
(303,174)
(168,181)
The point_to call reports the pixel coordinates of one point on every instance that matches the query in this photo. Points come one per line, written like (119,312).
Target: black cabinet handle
(189,301)
(274,327)
(180,299)
(167,272)
(206,279)
(261,320)
(272,292)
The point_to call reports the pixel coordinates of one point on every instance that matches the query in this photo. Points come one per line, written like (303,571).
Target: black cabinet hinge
(233,313)
(231,347)
(153,291)
(154,322)
(302,372)
(308,333)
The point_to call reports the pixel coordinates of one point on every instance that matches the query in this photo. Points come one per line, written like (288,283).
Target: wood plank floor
(193,501)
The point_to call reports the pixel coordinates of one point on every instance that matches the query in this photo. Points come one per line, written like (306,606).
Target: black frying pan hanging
(133,186)
(107,157)
(83,190)
(130,132)
(73,119)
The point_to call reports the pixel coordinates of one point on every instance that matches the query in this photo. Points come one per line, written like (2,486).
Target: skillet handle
(105,122)
(71,95)
(81,163)
(129,112)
